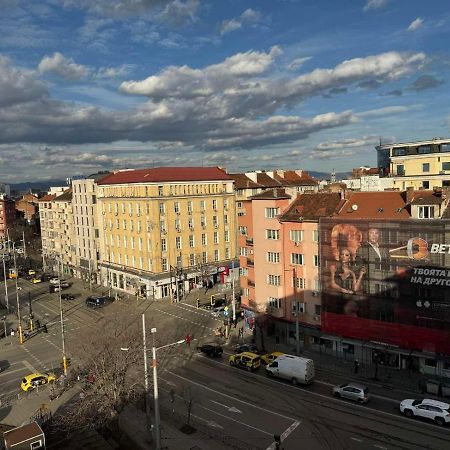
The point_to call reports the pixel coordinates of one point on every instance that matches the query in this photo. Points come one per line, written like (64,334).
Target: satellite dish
(354,207)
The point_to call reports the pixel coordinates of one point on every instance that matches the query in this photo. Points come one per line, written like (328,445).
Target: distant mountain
(36,185)
(327,175)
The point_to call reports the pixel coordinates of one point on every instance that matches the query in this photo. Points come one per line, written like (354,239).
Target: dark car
(212,350)
(241,348)
(67,297)
(96,301)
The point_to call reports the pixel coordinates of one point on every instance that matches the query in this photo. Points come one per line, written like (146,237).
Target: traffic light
(198,303)
(277,439)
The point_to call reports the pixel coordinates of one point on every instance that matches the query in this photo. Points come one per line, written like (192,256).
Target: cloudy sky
(93,85)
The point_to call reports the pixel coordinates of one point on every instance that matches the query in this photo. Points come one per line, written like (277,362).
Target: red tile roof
(312,206)
(66,196)
(166,174)
(375,205)
(242,181)
(266,181)
(271,194)
(47,198)
(291,178)
(426,198)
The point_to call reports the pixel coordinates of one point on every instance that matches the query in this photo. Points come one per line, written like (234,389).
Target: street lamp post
(6,284)
(17,296)
(63,338)
(297,312)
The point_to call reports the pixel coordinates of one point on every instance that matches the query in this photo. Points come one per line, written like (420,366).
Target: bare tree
(109,367)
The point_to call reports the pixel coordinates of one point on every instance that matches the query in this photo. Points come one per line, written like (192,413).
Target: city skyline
(245,86)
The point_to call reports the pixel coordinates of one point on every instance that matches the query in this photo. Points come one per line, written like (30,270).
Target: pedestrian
(241,332)
(235,322)
(188,340)
(12,332)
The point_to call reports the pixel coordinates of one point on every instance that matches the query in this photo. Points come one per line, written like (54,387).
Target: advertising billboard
(387,282)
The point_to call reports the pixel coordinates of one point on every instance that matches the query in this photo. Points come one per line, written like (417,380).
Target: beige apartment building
(165,230)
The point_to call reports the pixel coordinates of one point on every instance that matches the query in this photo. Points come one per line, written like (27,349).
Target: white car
(54,280)
(218,312)
(20,250)
(426,408)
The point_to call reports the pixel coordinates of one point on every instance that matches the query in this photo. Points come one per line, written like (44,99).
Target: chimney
(275,193)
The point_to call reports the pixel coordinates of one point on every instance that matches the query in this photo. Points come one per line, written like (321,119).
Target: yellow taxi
(246,360)
(36,379)
(270,357)
(36,280)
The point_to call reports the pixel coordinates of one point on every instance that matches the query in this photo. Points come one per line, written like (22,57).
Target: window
(227,253)
(214,205)
(445,148)
(36,445)
(425,167)
(446,166)
(400,169)
(191,223)
(204,240)
(423,149)
(160,192)
(191,241)
(274,280)
(192,259)
(204,257)
(140,243)
(272,234)
(216,237)
(176,208)
(243,231)
(315,235)
(296,235)
(297,258)
(243,271)
(162,208)
(274,302)
(227,236)
(426,184)
(425,212)
(300,283)
(216,255)
(445,183)
(203,221)
(400,151)
(178,242)
(189,207)
(177,224)
(124,242)
(164,245)
(202,205)
(225,219)
(132,242)
(165,266)
(243,251)
(272,212)
(317,310)
(273,257)
(225,205)
(215,222)
(239,204)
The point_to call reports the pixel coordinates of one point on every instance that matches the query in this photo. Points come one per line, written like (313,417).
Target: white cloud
(178,13)
(415,24)
(114,72)
(298,62)
(347,143)
(248,16)
(386,111)
(62,66)
(375,4)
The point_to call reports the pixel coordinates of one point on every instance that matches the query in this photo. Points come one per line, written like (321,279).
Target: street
(237,407)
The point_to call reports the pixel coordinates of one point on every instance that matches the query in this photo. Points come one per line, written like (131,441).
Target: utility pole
(233,300)
(62,323)
(24,245)
(17,297)
(6,284)
(90,275)
(297,328)
(147,400)
(31,326)
(155,394)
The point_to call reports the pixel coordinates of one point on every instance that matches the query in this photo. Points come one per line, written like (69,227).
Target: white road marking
(7,372)
(285,434)
(210,423)
(356,439)
(232,398)
(380,446)
(229,408)
(235,420)
(29,366)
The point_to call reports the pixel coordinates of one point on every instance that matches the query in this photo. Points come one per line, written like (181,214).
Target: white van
(293,368)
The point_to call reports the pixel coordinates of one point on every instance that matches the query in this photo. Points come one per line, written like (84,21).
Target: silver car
(352,391)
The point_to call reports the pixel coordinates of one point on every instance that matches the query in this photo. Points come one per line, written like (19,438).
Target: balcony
(250,262)
(249,241)
(250,283)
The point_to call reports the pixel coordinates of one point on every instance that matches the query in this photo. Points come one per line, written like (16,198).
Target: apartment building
(165,230)
(57,231)
(420,165)
(86,227)
(28,206)
(7,214)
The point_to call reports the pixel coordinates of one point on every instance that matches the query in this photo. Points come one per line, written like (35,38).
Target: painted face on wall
(374,235)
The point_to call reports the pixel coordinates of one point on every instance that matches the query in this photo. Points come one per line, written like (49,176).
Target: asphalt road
(232,404)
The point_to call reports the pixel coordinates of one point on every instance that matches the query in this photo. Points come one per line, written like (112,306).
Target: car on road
(269,357)
(20,250)
(247,360)
(427,408)
(67,297)
(36,280)
(97,301)
(218,311)
(55,280)
(213,350)
(56,288)
(352,391)
(36,379)
(240,348)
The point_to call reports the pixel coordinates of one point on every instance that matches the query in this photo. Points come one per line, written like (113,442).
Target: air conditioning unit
(315,294)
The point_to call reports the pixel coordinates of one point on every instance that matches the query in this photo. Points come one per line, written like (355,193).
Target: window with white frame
(165,265)
(192,259)
(271,213)
(204,239)
(216,255)
(245,292)
(139,226)
(178,242)
(225,219)
(300,283)
(216,237)
(140,243)
(164,245)
(124,224)
(124,242)
(272,234)
(204,257)
(238,204)
(243,271)
(316,260)
(225,205)
(162,224)
(215,222)
(273,257)
(274,280)
(189,206)
(317,285)
(227,253)
(315,235)
(132,242)
(141,262)
(273,302)
(176,207)
(243,251)
(203,221)
(214,205)
(243,231)
(297,258)
(226,236)
(202,205)
(426,212)
(131,225)
(191,241)
(177,224)
(162,208)
(296,235)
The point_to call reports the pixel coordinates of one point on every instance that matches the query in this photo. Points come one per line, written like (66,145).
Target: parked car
(427,408)
(352,391)
(269,357)
(36,280)
(36,379)
(212,350)
(96,301)
(247,360)
(20,250)
(67,297)
(240,348)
